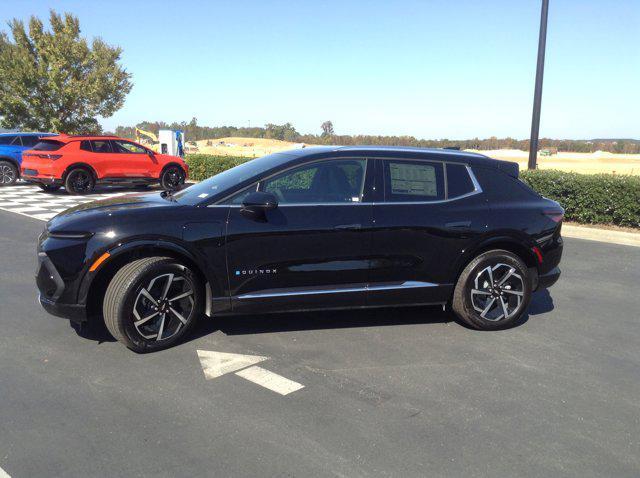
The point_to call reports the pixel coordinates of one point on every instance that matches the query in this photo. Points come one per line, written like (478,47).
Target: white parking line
(44,216)
(4,474)
(28,209)
(272,381)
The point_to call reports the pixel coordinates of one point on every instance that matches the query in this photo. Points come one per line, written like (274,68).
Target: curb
(601,235)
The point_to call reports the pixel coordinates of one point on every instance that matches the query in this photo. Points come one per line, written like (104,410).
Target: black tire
(125,298)
(79,181)
(50,188)
(9,173)
(475,291)
(172,178)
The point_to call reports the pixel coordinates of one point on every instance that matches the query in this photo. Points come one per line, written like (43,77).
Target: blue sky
(432,69)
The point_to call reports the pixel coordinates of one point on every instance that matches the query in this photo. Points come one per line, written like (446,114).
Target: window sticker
(413,179)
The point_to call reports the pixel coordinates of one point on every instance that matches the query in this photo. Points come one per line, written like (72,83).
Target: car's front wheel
(8,173)
(152,303)
(172,178)
(493,291)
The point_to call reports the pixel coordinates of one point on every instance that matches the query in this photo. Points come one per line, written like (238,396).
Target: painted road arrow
(216,364)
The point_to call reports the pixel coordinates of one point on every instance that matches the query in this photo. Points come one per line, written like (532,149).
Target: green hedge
(590,199)
(203,166)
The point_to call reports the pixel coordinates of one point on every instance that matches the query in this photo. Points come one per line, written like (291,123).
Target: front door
(131,161)
(312,251)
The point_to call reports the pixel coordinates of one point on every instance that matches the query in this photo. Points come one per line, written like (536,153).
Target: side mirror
(256,204)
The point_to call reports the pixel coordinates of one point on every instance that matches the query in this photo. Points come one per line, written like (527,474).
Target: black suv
(316,228)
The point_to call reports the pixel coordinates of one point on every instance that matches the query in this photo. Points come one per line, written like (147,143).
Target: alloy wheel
(164,307)
(498,292)
(7,174)
(81,181)
(172,178)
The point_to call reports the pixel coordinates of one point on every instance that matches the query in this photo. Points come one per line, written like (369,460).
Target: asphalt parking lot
(389,392)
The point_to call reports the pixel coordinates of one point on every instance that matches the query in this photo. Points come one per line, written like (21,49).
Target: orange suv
(80,162)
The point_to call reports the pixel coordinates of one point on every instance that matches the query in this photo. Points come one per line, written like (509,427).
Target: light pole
(537,95)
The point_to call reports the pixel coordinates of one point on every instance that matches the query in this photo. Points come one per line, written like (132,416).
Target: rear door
(429,212)
(312,251)
(98,153)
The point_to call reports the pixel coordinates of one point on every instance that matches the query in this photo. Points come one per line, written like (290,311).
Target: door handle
(348,227)
(458,224)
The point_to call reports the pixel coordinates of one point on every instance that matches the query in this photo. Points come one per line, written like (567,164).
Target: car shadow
(318,320)
(541,302)
(93,329)
(107,189)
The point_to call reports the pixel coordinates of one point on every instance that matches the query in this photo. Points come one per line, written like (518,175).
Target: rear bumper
(548,279)
(36,176)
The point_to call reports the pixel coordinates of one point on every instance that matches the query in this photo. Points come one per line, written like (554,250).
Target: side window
(30,141)
(127,148)
(331,181)
(458,181)
(101,146)
(85,145)
(238,197)
(411,181)
(7,139)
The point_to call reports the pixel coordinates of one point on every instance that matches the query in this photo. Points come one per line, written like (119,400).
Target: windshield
(217,185)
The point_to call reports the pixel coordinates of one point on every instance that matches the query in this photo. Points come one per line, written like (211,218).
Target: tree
(327,128)
(283,132)
(55,81)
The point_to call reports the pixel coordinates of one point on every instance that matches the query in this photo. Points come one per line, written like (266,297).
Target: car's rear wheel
(493,291)
(172,178)
(79,181)
(50,188)
(8,173)
(152,303)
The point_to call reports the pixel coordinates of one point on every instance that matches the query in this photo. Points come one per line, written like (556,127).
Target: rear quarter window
(29,141)
(458,181)
(48,145)
(499,185)
(7,139)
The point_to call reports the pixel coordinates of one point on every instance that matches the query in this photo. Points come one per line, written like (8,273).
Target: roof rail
(90,135)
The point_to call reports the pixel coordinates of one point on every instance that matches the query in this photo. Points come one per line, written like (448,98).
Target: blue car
(11,147)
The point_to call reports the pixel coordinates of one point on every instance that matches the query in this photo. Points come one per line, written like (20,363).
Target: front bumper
(51,287)
(72,312)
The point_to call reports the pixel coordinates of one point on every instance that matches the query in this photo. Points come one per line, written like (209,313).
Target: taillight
(554,215)
(52,157)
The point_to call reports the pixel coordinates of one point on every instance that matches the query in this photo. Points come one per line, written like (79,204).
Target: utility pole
(537,95)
